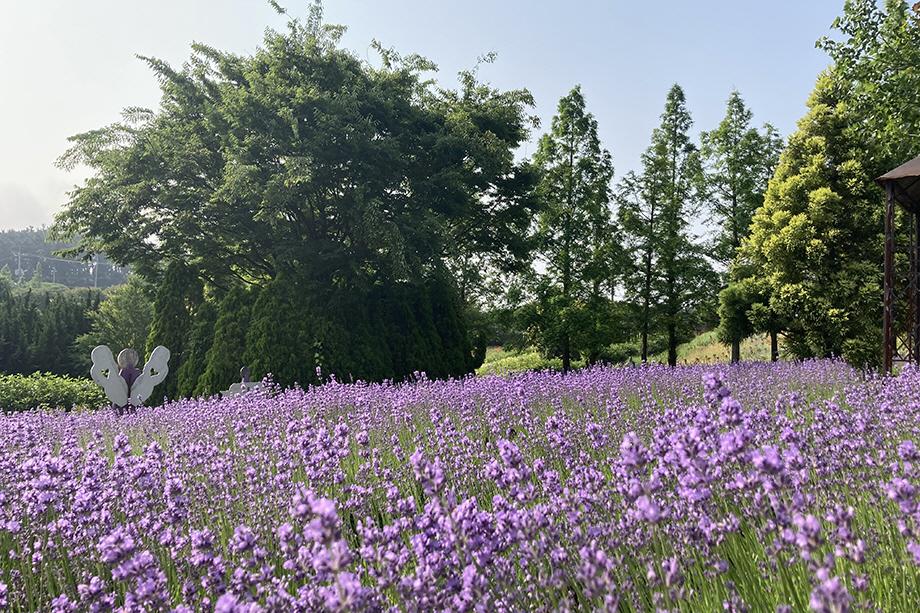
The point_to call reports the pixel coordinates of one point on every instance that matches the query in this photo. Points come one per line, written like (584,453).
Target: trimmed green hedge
(47,391)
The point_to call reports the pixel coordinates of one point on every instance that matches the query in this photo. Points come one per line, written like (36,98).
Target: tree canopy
(302,157)
(815,244)
(576,237)
(347,178)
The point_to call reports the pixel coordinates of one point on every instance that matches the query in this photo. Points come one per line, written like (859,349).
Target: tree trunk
(672,343)
(645,309)
(774,346)
(646,304)
(736,352)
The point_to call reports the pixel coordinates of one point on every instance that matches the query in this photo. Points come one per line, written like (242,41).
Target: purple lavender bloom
(767,460)
(116,546)
(649,509)
(830,596)
(243,540)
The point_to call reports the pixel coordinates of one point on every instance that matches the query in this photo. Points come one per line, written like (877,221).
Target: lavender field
(760,487)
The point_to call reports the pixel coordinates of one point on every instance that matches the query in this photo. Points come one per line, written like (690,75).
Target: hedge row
(47,391)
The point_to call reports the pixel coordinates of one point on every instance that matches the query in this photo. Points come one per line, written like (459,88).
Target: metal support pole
(888,304)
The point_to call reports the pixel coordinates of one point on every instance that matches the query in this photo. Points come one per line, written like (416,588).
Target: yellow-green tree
(815,244)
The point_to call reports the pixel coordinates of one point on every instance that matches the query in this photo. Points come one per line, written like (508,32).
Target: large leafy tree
(672,278)
(738,161)
(303,159)
(815,244)
(576,237)
(302,156)
(877,53)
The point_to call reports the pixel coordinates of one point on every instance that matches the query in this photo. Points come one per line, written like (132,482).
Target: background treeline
(38,328)
(31,254)
(300,208)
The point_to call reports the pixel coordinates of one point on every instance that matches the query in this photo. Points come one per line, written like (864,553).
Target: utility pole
(19,271)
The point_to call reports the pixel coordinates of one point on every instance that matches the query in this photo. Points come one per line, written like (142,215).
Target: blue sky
(67,67)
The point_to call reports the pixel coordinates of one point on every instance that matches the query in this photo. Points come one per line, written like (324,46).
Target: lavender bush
(758,487)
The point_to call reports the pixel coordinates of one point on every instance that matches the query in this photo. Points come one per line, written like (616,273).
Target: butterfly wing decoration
(154,371)
(239,388)
(104,372)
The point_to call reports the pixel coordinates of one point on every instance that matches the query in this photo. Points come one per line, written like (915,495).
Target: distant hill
(23,252)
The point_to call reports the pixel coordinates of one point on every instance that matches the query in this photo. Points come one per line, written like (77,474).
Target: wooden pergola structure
(901,306)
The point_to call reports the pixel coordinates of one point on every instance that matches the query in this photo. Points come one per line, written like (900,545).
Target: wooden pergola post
(901,305)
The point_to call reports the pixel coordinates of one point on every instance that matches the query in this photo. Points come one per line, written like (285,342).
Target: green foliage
(877,54)
(32,246)
(386,333)
(177,296)
(277,342)
(734,320)
(38,328)
(815,245)
(229,344)
(302,156)
(196,350)
(738,162)
(576,235)
(672,281)
(46,391)
(122,319)
(511,362)
(304,161)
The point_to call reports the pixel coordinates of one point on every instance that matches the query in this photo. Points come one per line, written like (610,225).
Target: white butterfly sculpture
(105,372)
(245,385)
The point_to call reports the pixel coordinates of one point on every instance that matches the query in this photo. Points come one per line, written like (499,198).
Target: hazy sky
(67,66)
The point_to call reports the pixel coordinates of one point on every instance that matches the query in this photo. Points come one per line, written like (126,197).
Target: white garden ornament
(245,385)
(121,381)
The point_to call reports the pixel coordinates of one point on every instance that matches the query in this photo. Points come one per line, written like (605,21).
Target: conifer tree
(224,358)
(179,290)
(199,342)
(815,244)
(575,230)
(671,276)
(738,162)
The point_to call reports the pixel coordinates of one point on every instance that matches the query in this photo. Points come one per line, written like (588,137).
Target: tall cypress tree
(815,244)
(224,358)
(199,342)
(276,341)
(171,323)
